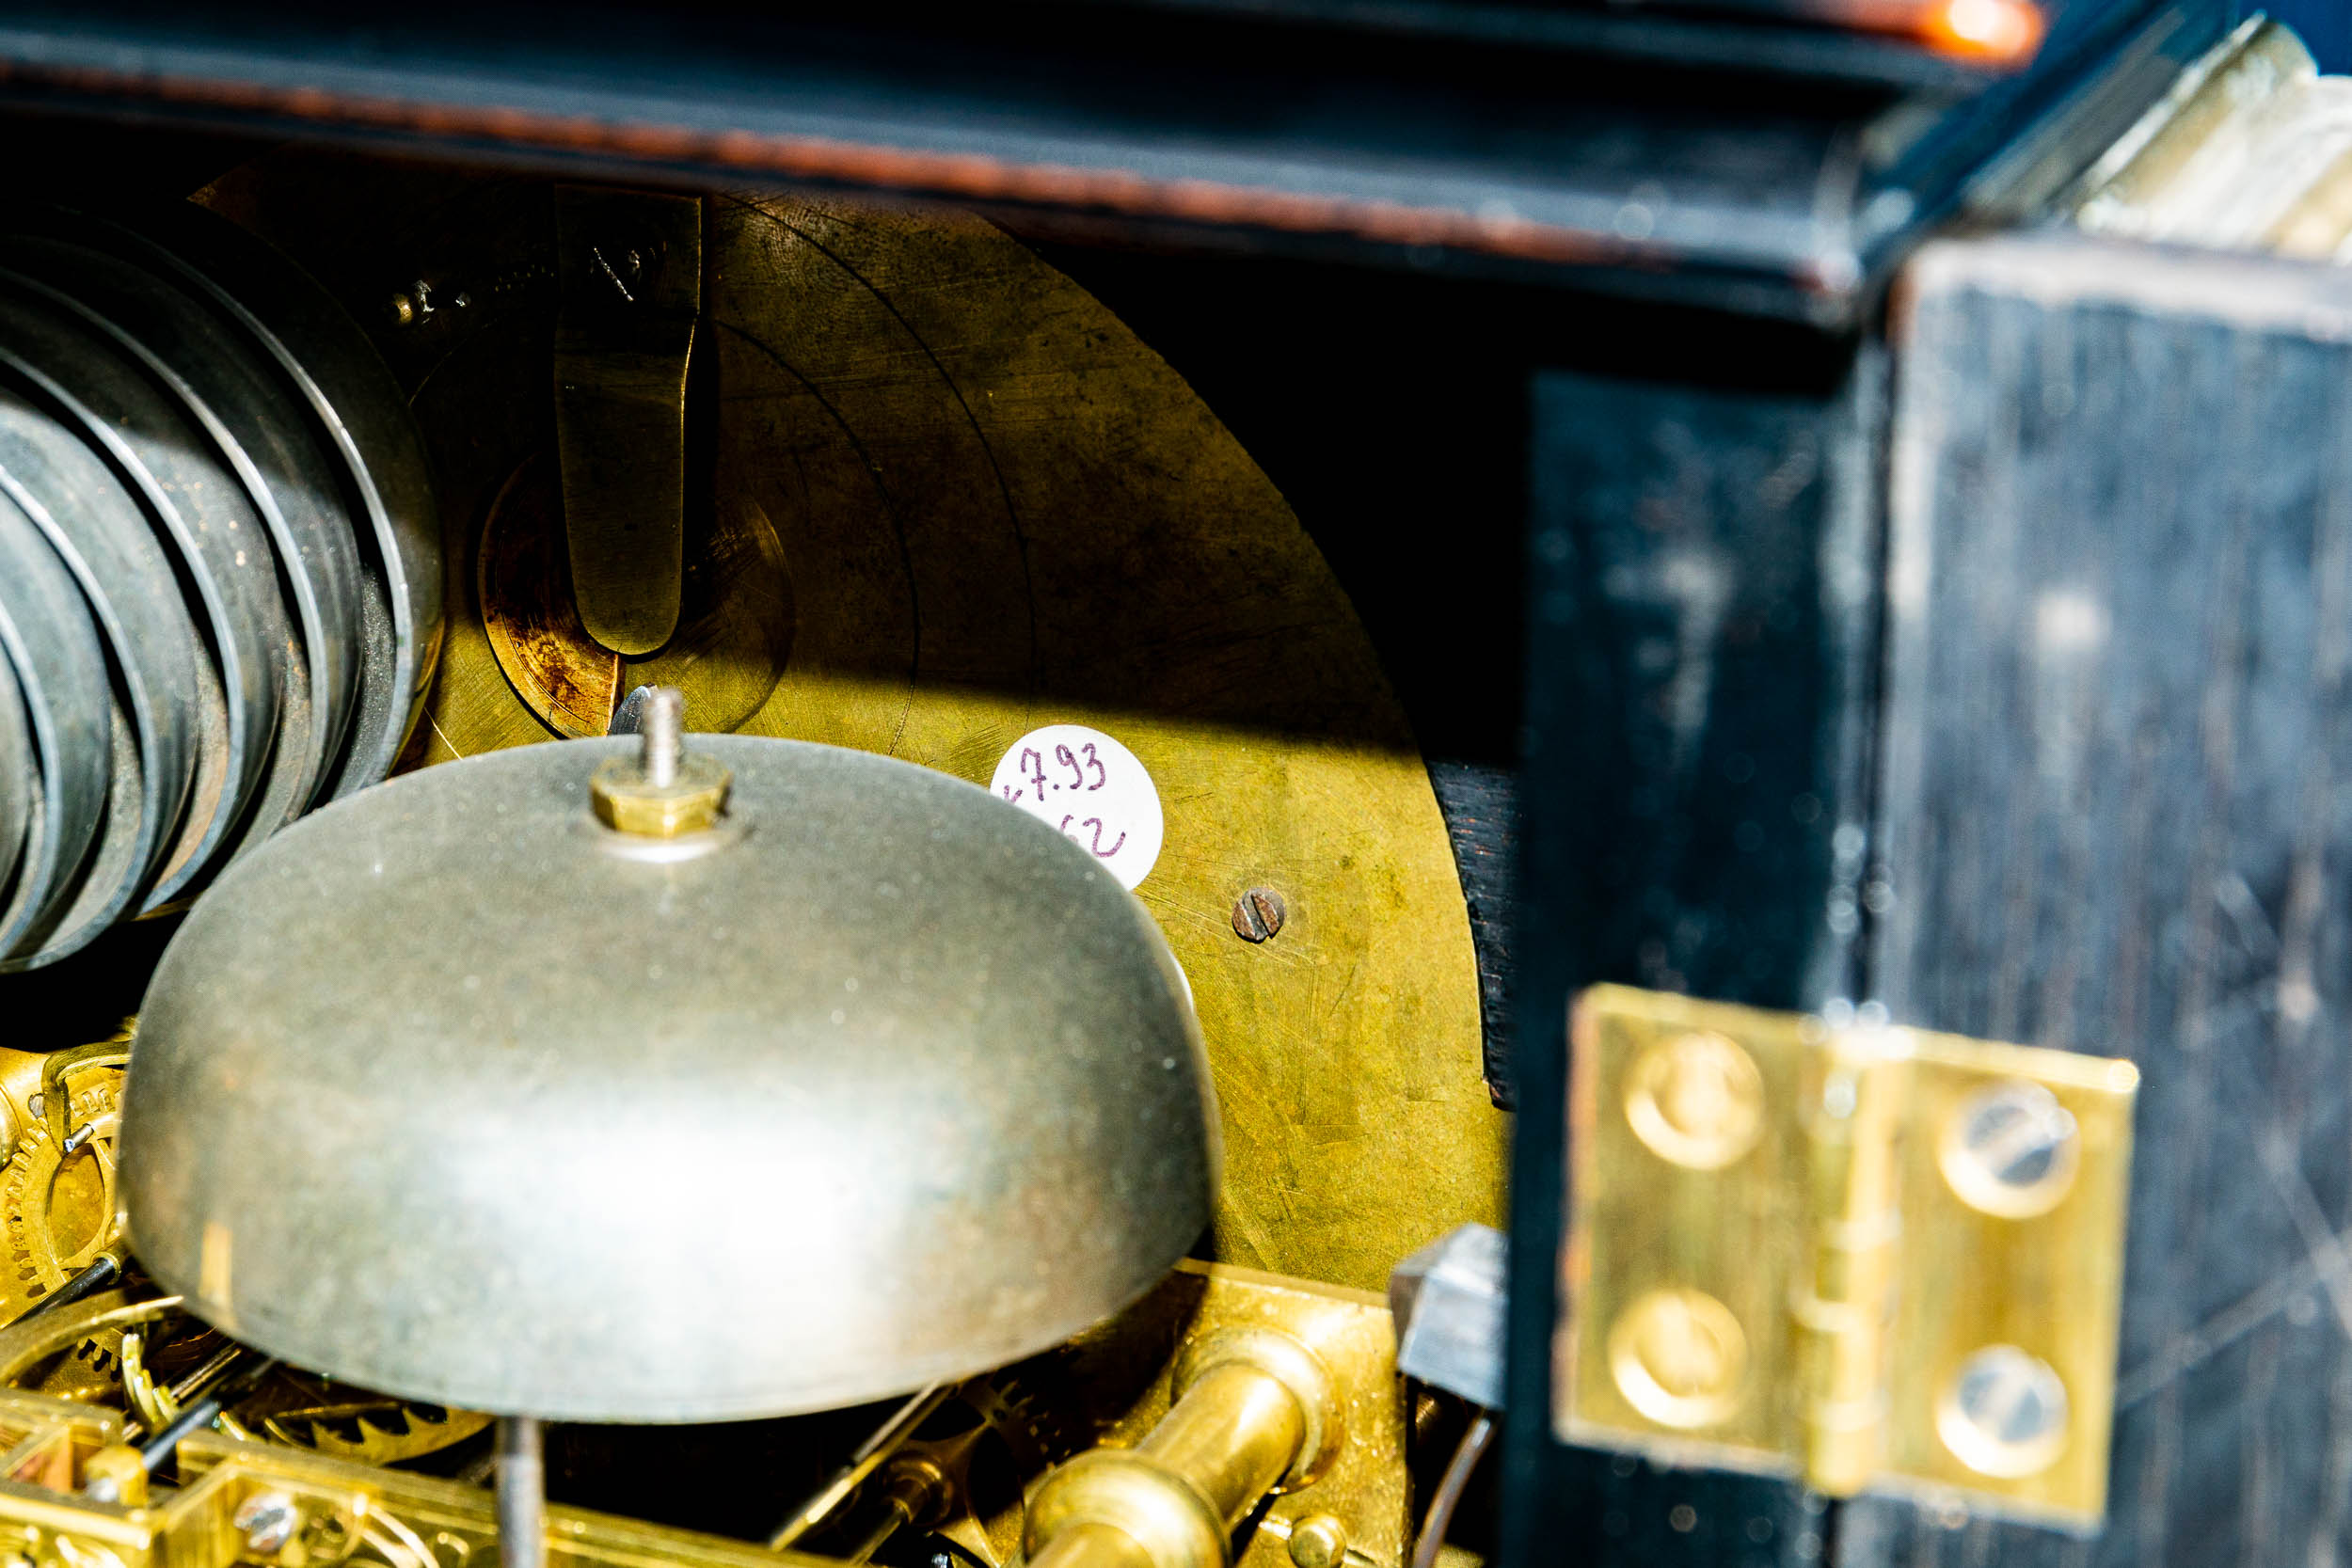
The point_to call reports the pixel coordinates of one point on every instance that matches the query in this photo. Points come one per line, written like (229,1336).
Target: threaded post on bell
(663,792)
(665,721)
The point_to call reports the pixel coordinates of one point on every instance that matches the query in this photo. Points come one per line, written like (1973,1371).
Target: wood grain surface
(2117,814)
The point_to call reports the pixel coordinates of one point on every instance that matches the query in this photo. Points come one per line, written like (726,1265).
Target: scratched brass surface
(994,507)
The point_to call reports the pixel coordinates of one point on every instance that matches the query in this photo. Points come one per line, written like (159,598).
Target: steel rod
(522,1494)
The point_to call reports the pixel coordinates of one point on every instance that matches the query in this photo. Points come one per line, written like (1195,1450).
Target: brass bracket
(1868,1256)
(630,267)
(1344,1503)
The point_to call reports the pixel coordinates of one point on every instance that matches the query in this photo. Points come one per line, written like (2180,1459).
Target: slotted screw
(267,1519)
(1258,915)
(2006,1414)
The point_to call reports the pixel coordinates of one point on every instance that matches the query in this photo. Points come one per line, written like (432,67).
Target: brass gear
(362,1428)
(1034,1409)
(76,1351)
(57,1202)
(57,1188)
(106,1350)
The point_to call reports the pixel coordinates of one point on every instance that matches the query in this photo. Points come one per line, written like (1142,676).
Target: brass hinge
(1873,1257)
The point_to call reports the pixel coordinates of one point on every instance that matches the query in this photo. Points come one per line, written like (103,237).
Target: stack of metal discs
(219,578)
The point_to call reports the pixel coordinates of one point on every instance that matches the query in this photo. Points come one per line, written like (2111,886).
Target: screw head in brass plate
(2011,1149)
(1258,915)
(1318,1540)
(267,1522)
(1678,1356)
(1696,1098)
(2004,1413)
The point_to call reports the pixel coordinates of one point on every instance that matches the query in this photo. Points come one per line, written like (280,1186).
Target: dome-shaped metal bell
(454,1090)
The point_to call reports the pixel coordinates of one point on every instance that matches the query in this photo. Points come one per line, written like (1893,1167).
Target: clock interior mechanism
(801,922)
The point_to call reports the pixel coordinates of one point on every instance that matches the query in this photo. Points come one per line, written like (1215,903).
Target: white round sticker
(1091,788)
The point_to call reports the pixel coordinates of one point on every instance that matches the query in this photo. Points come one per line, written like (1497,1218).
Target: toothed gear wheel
(58,1187)
(372,1430)
(89,1373)
(1036,1408)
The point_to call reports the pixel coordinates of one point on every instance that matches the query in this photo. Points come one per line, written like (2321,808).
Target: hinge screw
(1696,1098)
(2005,1414)
(1678,1356)
(2010,1150)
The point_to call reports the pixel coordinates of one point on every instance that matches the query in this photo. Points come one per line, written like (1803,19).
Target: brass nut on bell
(627,801)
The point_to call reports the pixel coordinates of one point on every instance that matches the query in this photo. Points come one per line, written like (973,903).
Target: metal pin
(196,1417)
(522,1479)
(102,1270)
(664,719)
(79,1136)
(217,1363)
(879,1446)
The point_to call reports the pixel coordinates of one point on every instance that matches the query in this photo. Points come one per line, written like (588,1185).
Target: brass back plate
(951,498)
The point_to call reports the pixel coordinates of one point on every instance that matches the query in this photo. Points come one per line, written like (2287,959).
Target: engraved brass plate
(937,497)
(1868,1256)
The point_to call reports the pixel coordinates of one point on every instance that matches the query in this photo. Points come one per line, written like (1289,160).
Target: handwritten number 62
(1096,823)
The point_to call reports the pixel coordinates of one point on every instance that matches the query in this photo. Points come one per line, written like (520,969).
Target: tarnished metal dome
(456,1091)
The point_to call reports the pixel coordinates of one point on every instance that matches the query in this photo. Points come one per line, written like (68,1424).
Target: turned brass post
(1255,1414)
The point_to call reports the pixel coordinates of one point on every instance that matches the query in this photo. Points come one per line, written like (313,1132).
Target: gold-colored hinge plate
(1869,1255)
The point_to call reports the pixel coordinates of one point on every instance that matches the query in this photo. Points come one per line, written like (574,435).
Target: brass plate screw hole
(1696,1099)
(1678,1355)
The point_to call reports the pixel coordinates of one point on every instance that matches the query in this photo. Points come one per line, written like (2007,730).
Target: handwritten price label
(1091,788)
